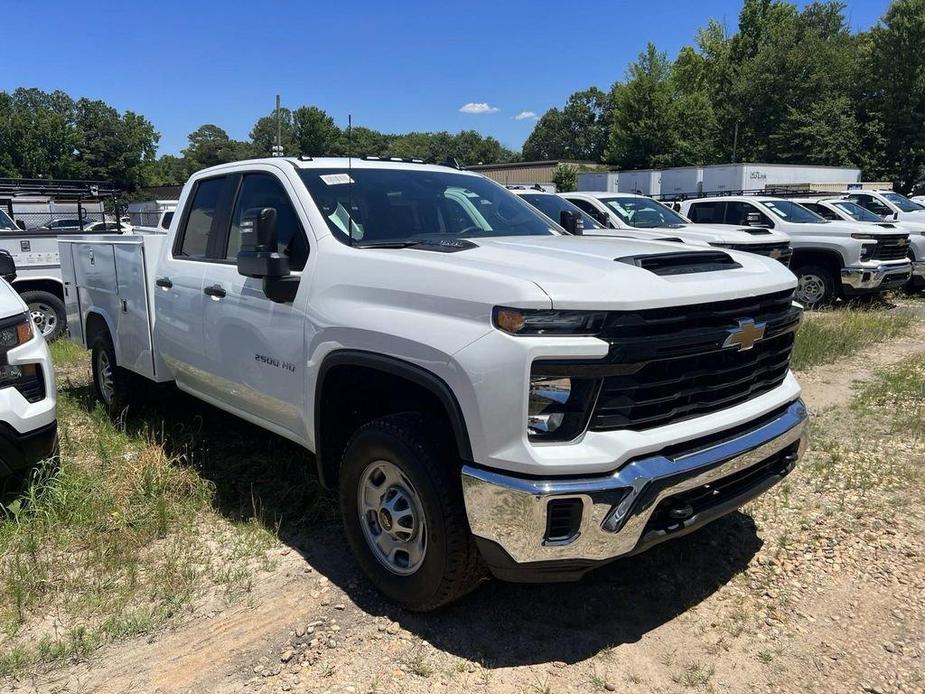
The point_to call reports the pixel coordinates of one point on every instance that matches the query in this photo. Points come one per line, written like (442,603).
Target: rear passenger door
(256,347)
(178,297)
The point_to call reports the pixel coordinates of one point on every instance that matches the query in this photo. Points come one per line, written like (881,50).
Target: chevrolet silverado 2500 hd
(28,424)
(830,259)
(481,389)
(842,209)
(635,214)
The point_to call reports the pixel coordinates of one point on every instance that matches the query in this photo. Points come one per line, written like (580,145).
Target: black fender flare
(395,367)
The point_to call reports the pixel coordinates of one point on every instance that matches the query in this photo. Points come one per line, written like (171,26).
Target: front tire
(403,513)
(816,286)
(48,313)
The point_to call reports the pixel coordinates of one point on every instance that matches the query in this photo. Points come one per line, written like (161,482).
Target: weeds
(829,336)
(137,522)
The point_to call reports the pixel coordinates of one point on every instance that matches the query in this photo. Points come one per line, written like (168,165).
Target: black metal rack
(59,191)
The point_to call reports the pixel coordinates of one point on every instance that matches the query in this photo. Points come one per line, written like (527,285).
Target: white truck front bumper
(883,276)
(558,528)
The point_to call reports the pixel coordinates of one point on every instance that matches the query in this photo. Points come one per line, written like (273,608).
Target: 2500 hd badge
(273,361)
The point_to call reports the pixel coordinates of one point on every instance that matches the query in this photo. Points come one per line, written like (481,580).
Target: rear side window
(201,218)
(707,212)
(265,190)
(821,210)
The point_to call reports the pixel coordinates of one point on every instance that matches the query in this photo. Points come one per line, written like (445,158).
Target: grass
(899,392)
(828,336)
(140,522)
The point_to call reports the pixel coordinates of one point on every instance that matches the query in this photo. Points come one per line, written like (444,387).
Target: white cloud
(525,115)
(477,107)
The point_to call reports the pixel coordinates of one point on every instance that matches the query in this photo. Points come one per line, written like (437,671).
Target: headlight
(12,373)
(868,237)
(15,334)
(867,250)
(558,406)
(523,321)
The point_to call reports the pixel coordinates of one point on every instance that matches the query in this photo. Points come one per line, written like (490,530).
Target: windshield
(791,212)
(644,213)
(383,206)
(903,203)
(857,212)
(552,206)
(6,224)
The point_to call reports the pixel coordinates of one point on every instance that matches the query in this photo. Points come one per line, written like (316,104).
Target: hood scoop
(885,225)
(755,231)
(681,263)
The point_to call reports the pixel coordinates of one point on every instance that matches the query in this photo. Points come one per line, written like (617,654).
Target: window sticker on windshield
(336,179)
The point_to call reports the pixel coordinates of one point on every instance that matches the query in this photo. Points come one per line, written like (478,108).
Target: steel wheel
(810,289)
(105,380)
(44,317)
(392,518)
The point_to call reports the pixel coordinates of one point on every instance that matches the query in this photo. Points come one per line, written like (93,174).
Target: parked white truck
(637,214)
(481,389)
(843,209)
(830,259)
(28,420)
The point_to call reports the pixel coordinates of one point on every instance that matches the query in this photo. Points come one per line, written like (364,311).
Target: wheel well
(50,286)
(830,260)
(351,394)
(96,326)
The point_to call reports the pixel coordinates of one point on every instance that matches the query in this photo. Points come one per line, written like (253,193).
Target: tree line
(788,86)
(51,135)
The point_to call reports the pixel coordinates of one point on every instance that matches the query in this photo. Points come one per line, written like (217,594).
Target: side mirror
(21,224)
(7,266)
(755,219)
(571,222)
(259,257)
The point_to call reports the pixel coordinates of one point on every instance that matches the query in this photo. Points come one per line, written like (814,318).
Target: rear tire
(48,313)
(403,513)
(816,286)
(110,381)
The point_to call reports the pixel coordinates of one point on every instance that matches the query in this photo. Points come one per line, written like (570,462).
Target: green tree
(565,176)
(315,131)
(641,121)
(893,96)
(578,131)
(263,134)
(210,145)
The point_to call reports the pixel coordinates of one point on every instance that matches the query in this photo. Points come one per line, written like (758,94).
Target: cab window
(201,219)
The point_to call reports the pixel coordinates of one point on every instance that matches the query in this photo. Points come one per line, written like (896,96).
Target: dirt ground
(817,586)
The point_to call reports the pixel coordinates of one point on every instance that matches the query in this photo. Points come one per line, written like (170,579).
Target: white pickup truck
(28,423)
(843,209)
(830,259)
(638,214)
(483,390)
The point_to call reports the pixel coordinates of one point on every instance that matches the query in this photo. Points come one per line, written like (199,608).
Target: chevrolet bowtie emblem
(746,335)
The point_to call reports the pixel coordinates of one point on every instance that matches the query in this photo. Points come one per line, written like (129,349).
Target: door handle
(215,290)
(163,282)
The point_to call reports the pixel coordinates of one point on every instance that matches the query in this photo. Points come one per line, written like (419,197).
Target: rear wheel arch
(404,387)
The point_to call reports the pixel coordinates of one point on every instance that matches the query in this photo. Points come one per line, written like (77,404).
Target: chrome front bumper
(511,512)
(860,278)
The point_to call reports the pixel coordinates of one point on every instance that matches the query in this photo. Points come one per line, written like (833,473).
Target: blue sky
(395,66)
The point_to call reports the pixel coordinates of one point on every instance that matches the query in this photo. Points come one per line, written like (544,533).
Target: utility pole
(278,147)
(735,142)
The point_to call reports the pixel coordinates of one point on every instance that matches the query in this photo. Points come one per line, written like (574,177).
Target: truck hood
(582,272)
(10,301)
(844,229)
(728,234)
